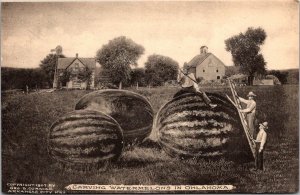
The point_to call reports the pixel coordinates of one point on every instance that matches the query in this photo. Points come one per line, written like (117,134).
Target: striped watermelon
(187,127)
(132,111)
(85,139)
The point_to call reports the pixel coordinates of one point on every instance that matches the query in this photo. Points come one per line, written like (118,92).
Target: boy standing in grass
(260,143)
(27,89)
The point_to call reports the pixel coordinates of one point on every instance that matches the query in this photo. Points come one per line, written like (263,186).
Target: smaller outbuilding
(240,79)
(274,78)
(263,82)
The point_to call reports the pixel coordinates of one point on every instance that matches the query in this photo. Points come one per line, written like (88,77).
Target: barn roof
(64,63)
(198,59)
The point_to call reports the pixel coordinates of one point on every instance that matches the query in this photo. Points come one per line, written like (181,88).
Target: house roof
(198,59)
(64,63)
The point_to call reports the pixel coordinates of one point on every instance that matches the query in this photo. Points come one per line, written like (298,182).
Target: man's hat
(251,94)
(264,125)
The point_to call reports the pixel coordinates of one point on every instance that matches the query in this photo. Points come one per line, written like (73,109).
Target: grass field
(27,118)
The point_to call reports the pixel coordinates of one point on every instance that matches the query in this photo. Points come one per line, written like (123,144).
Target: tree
(18,78)
(245,51)
(48,65)
(118,56)
(65,77)
(138,77)
(231,70)
(160,69)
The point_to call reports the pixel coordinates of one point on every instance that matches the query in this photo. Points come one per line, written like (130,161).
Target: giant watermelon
(132,111)
(85,138)
(187,127)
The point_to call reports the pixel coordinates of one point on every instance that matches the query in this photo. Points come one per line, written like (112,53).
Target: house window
(203,70)
(76,68)
(217,70)
(218,77)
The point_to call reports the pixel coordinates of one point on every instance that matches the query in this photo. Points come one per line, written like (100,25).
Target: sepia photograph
(150,97)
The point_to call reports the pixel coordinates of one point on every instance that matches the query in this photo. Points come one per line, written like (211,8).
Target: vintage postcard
(150,97)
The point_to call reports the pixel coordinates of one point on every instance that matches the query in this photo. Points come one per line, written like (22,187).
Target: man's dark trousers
(259,161)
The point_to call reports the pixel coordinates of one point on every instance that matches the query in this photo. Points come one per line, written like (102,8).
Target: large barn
(74,65)
(206,66)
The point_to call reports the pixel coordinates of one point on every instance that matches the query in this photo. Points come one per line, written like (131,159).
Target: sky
(171,28)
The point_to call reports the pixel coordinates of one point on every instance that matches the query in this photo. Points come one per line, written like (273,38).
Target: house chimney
(203,50)
(76,55)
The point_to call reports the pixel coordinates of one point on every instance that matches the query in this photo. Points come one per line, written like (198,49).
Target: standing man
(260,143)
(250,111)
(188,84)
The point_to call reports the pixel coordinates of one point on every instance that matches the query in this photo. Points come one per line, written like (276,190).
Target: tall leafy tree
(118,56)
(245,51)
(48,65)
(160,69)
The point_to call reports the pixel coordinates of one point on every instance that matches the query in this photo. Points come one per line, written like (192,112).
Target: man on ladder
(250,111)
(237,103)
(189,84)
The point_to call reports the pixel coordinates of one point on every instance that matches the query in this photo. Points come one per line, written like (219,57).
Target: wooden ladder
(237,103)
